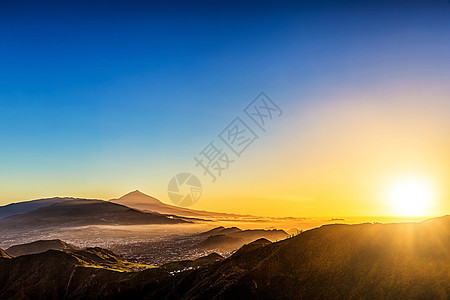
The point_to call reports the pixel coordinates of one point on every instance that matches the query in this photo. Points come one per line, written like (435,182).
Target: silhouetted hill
(82,212)
(87,274)
(252,246)
(141,201)
(220,230)
(27,206)
(199,262)
(253,234)
(393,261)
(221,242)
(229,239)
(40,246)
(376,261)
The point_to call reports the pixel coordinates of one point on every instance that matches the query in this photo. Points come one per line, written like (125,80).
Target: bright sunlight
(411,197)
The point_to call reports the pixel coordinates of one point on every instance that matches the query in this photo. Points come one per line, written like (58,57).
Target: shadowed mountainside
(395,261)
(27,206)
(39,247)
(229,239)
(82,212)
(390,261)
(58,275)
(185,264)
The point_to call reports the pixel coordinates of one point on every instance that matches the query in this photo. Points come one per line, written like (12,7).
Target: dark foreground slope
(390,261)
(92,273)
(395,261)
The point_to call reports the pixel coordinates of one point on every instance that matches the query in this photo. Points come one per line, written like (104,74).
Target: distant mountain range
(27,206)
(131,209)
(141,201)
(228,239)
(376,261)
(72,212)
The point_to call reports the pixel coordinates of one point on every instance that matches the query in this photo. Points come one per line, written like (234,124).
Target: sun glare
(411,197)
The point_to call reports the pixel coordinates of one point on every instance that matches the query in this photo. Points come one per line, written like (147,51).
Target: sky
(99,98)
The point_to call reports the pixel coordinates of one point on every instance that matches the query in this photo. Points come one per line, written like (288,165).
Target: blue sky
(95,92)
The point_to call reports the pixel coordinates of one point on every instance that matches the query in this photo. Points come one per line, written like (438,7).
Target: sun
(412,196)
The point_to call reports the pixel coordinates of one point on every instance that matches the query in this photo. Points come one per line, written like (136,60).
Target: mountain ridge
(338,261)
(82,212)
(137,199)
(39,247)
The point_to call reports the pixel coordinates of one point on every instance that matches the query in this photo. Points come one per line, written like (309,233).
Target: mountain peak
(138,196)
(136,192)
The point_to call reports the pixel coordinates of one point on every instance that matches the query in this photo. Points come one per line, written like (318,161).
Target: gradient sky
(100,98)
